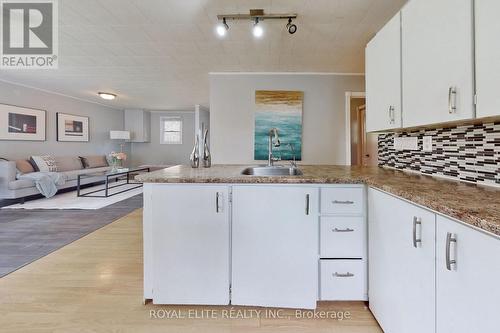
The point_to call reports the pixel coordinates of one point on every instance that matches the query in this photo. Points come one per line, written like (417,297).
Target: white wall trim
(173,111)
(286,73)
(60,94)
(348,96)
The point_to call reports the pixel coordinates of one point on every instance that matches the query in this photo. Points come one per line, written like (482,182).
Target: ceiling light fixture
(257,29)
(255,15)
(222,28)
(107,96)
(292,28)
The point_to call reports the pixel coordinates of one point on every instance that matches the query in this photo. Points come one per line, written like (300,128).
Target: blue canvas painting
(283,110)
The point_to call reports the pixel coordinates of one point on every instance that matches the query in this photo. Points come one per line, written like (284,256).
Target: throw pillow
(97,161)
(68,163)
(45,163)
(24,166)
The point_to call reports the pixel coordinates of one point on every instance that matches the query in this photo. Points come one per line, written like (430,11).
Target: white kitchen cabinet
(467,288)
(275,246)
(383,78)
(343,237)
(343,200)
(487,28)
(343,279)
(190,244)
(401,264)
(437,61)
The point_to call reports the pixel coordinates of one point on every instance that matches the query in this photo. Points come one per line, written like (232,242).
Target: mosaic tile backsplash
(468,153)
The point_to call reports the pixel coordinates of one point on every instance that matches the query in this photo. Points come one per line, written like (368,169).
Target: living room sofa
(69,166)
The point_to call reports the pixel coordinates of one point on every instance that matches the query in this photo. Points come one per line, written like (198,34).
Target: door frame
(348,96)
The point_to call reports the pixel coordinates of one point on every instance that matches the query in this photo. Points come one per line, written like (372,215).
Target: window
(171,130)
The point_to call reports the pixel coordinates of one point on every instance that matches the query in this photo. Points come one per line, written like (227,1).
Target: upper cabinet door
(383,78)
(487,58)
(468,273)
(437,55)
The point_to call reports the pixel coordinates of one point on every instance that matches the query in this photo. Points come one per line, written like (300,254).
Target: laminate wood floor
(27,235)
(95,285)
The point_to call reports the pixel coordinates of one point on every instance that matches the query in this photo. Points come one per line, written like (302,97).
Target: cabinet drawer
(342,237)
(342,280)
(342,200)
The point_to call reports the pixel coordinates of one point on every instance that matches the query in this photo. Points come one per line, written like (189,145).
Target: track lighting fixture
(257,29)
(255,15)
(292,28)
(222,28)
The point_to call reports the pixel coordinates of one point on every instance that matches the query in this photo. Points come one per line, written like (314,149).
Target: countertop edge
(460,215)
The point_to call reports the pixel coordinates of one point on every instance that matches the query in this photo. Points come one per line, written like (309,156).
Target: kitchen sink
(272,171)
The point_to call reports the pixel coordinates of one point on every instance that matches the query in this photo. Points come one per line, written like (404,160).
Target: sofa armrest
(7,173)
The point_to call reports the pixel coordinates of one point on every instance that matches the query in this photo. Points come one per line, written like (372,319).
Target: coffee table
(110,177)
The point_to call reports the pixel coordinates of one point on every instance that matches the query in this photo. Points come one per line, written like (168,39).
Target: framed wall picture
(23,124)
(281,110)
(71,128)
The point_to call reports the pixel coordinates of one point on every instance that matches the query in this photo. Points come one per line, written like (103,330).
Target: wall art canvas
(282,110)
(71,128)
(19,123)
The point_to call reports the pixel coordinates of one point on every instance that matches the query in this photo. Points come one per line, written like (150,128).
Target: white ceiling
(156,54)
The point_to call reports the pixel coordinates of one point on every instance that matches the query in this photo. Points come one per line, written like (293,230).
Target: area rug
(69,200)
(27,235)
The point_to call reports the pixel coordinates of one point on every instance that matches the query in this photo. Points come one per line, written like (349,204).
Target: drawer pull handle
(340,202)
(336,274)
(342,230)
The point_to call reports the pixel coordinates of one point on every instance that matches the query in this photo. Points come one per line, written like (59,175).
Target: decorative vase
(194,158)
(207,158)
(114,165)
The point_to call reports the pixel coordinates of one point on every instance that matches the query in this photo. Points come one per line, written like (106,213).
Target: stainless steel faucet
(273,132)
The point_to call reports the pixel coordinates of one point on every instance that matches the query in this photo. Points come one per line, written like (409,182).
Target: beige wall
(102,119)
(155,153)
(232,105)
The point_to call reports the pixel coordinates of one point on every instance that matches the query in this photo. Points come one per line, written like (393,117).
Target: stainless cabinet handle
(307,204)
(417,221)
(392,114)
(342,230)
(336,274)
(449,239)
(452,100)
(217,208)
(346,202)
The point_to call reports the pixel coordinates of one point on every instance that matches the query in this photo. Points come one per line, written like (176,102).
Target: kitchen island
(217,236)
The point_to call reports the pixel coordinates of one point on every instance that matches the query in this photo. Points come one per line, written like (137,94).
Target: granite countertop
(476,205)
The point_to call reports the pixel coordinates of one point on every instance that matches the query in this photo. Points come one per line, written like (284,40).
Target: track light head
(292,28)
(222,28)
(257,29)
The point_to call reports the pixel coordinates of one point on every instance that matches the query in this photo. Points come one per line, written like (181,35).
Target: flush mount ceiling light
(222,28)
(108,96)
(255,15)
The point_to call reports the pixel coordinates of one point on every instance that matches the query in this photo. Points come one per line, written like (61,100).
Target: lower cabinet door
(468,279)
(190,236)
(401,264)
(275,246)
